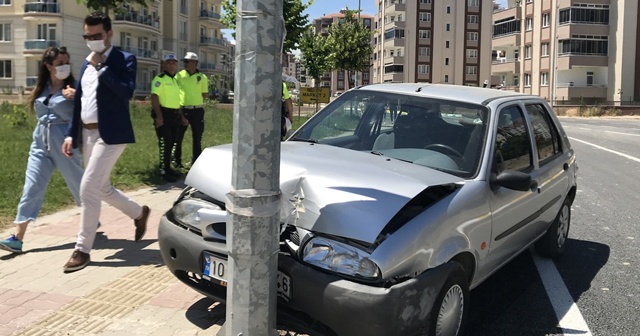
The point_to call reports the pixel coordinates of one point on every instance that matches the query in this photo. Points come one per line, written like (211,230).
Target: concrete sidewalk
(125,290)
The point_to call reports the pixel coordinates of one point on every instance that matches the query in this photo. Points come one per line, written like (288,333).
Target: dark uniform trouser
(196,121)
(167,135)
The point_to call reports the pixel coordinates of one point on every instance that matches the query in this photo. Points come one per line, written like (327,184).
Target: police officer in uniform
(194,89)
(165,102)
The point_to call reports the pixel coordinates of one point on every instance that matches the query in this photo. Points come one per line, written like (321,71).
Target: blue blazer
(117,82)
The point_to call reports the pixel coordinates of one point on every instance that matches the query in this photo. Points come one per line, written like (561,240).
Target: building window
(529,24)
(546,19)
(446,61)
(448,27)
(424,34)
(425,16)
(5,69)
(446,44)
(425,1)
(472,36)
(446,78)
(474,3)
(527,79)
(544,78)
(5,32)
(5,2)
(594,14)
(472,53)
(527,52)
(544,49)
(584,45)
(423,68)
(424,51)
(448,9)
(183,30)
(472,70)
(184,9)
(473,18)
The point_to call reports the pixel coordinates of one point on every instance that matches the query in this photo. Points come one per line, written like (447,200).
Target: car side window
(513,146)
(545,132)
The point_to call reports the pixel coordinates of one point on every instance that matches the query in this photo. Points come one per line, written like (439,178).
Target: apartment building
(337,80)
(27,28)
(569,51)
(432,41)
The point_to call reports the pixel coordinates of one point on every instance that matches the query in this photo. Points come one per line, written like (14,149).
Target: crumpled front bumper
(346,307)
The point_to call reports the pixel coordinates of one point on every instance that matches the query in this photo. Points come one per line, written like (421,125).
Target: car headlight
(186,211)
(340,258)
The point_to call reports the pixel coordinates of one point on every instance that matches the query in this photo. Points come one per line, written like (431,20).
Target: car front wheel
(552,244)
(449,312)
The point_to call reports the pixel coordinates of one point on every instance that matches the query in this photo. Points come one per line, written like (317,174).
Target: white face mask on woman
(63,71)
(96,46)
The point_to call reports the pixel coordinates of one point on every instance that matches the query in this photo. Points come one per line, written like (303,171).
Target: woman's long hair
(44,74)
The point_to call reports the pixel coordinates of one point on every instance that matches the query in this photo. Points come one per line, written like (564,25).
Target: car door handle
(565,166)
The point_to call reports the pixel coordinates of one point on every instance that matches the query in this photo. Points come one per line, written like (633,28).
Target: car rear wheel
(449,312)
(552,244)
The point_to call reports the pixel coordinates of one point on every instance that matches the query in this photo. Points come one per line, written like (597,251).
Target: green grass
(136,168)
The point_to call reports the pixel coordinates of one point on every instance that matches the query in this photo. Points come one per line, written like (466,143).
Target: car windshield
(440,134)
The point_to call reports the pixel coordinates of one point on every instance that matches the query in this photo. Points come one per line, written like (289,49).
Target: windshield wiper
(382,154)
(304,140)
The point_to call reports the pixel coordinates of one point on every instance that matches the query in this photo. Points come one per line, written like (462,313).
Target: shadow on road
(515,300)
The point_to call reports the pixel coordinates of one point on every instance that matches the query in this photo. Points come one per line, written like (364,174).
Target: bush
(16,115)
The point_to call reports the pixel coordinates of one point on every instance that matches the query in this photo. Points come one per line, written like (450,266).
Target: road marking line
(569,318)
(608,150)
(622,133)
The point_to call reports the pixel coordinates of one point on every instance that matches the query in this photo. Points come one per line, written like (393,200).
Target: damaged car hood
(328,189)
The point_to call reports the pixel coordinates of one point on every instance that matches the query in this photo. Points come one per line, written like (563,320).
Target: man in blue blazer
(102,126)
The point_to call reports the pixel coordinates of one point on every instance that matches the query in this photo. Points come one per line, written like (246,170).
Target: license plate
(215,267)
(284,285)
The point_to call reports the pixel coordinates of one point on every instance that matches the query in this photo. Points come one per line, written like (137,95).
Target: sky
(323,7)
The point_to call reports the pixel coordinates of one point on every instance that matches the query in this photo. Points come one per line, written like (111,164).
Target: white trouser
(96,187)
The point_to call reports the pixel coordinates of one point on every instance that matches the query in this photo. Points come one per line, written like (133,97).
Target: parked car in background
(397,199)
(230,96)
(337,94)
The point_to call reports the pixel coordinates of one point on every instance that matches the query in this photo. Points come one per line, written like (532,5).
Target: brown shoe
(141,223)
(78,261)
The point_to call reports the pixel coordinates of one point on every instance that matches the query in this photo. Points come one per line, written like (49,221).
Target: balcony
(39,45)
(144,21)
(213,42)
(395,7)
(394,60)
(502,65)
(568,61)
(397,77)
(206,66)
(141,53)
(394,42)
(396,24)
(566,31)
(36,10)
(209,15)
(508,39)
(569,91)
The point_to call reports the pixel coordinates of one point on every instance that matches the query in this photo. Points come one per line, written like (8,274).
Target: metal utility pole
(356,80)
(253,203)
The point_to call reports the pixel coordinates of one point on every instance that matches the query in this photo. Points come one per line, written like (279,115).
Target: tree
(351,46)
(295,22)
(107,5)
(314,49)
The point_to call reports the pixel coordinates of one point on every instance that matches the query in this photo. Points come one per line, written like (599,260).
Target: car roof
(469,94)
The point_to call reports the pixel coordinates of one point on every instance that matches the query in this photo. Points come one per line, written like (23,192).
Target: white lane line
(638,135)
(567,312)
(608,150)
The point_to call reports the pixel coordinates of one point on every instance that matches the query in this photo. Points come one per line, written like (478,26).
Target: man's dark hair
(97,18)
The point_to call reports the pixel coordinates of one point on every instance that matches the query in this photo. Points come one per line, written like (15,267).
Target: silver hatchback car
(397,200)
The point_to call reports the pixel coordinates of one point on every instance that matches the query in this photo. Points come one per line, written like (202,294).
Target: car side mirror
(513,180)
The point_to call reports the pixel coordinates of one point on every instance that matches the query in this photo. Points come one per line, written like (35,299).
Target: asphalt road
(600,271)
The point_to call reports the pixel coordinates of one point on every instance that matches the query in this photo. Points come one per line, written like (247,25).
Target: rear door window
(546,134)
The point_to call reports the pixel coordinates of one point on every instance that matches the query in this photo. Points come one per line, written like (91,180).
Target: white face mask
(63,71)
(96,46)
